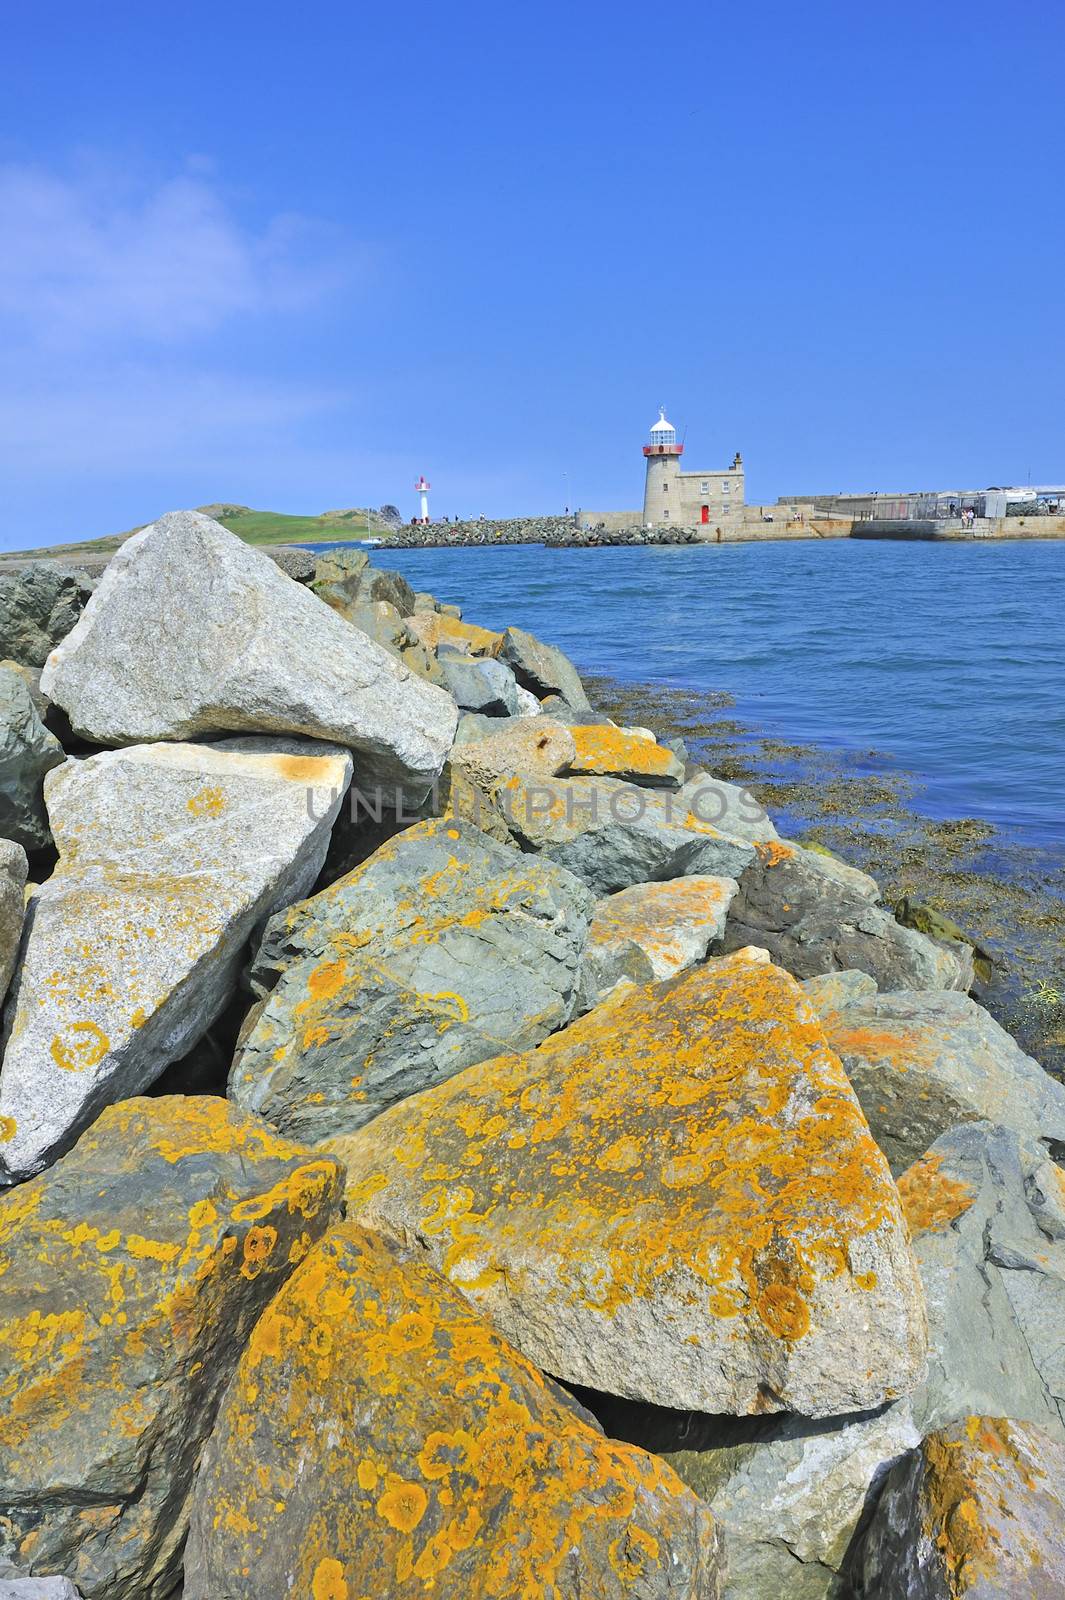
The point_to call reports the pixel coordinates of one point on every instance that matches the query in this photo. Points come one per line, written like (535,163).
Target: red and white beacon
(422,488)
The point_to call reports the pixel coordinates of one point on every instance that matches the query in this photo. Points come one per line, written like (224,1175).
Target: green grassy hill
(254,527)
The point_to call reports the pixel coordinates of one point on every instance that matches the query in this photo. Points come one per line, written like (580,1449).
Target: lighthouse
(663,454)
(422,487)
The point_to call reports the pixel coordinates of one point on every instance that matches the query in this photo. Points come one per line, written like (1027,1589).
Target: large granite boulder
(672,923)
(191,631)
(27,752)
(14,870)
(483,686)
(38,607)
(816,915)
(921,1062)
(675,1199)
(613,835)
(380,1439)
(542,668)
(169,857)
(617,753)
(986,1210)
(718,804)
(978,1510)
(131,1276)
(442,949)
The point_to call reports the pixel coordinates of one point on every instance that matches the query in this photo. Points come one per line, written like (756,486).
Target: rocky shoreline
(455,1145)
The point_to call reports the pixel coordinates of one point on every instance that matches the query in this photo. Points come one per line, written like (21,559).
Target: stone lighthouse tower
(663,458)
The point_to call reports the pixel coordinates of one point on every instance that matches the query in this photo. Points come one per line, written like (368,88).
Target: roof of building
(662,425)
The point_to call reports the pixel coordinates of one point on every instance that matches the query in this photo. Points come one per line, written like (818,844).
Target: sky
(292,256)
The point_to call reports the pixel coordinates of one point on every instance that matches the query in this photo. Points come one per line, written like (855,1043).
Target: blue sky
(294,255)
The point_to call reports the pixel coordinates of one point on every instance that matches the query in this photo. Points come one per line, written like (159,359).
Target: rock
(453,611)
(723,805)
(424,601)
(619,753)
(383,623)
(675,1199)
(14,870)
(38,1589)
(541,668)
(131,1275)
(391,515)
(191,632)
(944,930)
(484,686)
(573,716)
(38,608)
(342,566)
(380,1439)
(798,907)
(542,748)
(673,923)
(27,752)
(169,855)
(841,873)
(441,950)
(789,1495)
(528,705)
(345,578)
(297,564)
(832,991)
(613,835)
(31,677)
(994,1280)
(436,628)
(922,1062)
(978,1509)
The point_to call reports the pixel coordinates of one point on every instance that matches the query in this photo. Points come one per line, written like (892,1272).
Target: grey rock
(191,632)
(169,856)
(815,918)
(38,1589)
(673,922)
(14,871)
(27,752)
(441,950)
(723,805)
(38,607)
(922,1062)
(299,565)
(573,716)
(613,835)
(542,668)
(832,991)
(791,1496)
(484,686)
(131,1277)
(994,1282)
(521,744)
(528,705)
(978,1509)
(423,601)
(383,623)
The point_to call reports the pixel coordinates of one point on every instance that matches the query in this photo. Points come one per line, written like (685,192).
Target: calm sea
(947,659)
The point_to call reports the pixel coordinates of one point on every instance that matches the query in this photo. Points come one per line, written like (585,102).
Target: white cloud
(92,257)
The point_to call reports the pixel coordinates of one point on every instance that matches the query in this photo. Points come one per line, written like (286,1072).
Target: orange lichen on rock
(931,1200)
(434,629)
(347,1462)
(685,1172)
(130,1275)
(605,751)
(672,922)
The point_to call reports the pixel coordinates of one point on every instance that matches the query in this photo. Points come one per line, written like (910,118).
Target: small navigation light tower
(423,486)
(663,454)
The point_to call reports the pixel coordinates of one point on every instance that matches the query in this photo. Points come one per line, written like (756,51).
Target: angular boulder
(27,752)
(619,753)
(542,749)
(612,834)
(169,856)
(542,668)
(986,1211)
(726,806)
(131,1276)
(191,631)
(380,1439)
(816,915)
(38,1589)
(384,624)
(922,1062)
(483,686)
(436,628)
(676,1199)
(442,949)
(38,607)
(673,923)
(830,992)
(977,1510)
(14,870)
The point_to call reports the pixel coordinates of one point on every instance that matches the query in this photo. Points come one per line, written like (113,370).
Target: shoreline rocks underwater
(454,1146)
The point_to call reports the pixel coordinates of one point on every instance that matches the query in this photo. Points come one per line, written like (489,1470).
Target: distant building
(713,500)
(935,504)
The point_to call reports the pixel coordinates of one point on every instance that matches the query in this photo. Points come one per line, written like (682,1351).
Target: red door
(706,513)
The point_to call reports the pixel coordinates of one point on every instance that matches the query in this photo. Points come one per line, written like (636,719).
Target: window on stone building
(665,514)
(704,488)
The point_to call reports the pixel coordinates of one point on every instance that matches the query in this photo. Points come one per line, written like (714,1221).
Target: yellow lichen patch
(8,1129)
(773,853)
(932,1201)
(445,1465)
(207,802)
(81,1046)
(434,629)
(664,919)
(611,752)
(695,1139)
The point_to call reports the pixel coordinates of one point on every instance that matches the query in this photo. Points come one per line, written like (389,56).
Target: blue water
(947,659)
